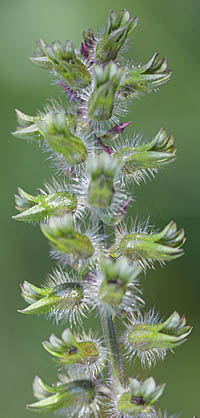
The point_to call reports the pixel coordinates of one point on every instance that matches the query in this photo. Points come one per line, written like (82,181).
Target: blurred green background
(173,29)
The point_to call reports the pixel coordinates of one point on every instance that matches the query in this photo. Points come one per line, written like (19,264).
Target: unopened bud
(106,83)
(148,339)
(102,171)
(62,297)
(56,130)
(145,248)
(150,155)
(38,208)
(117,30)
(145,78)
(65,239)
(73,394)
(63,61)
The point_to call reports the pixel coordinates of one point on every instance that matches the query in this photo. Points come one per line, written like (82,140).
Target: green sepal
(145,78)
(140,397)
(116,278)
(60,396)
(151,155)
(118,28)
(38,208)
(29,128)
(63,61)
(64,238)
(106,82)
(45,300)
(57,131)
(102,171)
(68,350)
(167,335)
(163,246)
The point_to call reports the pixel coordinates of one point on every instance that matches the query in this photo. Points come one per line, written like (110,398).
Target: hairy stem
(115,362)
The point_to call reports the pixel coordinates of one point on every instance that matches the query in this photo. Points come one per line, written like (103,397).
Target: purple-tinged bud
(84,50)
(105,147)
(71,94)
(120,128)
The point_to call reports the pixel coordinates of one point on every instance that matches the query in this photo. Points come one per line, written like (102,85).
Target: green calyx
(63,61)
(56,130)
(106,82)
(163,246)
(102,171)
(68,350)
(145,78)
(118,28)
(167,335)
(72,394)
(151,155)
(140,397)
(38,208)
(65,239)
(116,278)
(29,126)
(45,300)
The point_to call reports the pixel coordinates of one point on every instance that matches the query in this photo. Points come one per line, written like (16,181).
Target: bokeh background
(173,29)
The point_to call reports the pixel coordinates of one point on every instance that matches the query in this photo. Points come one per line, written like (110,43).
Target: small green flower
(63,296)
(145,78)
(117,279)
(106,82)
(41,207)
(138,398)
(150,339)
(65,239)
(56,131)
(102,171)
(141,159)
(145,248)
(63,61)
(76,396)
(84,351)
(117,30)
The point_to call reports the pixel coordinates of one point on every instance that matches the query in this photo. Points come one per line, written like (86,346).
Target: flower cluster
(82,213)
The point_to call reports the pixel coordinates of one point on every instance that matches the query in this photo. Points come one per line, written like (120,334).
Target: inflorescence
(82,213)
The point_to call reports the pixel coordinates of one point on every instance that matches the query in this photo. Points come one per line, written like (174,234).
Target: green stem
(115,362)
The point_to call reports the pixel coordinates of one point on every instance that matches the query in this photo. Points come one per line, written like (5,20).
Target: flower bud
(145,78)
(147,338)
(38,208)
(59,298)
(29,125)
(139,397)
(102,171)
(117,30)
(144,248)
(65,239)
(150,155)
(115,282)
(56,130)
(73,395)
(106,83)
(63,61)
